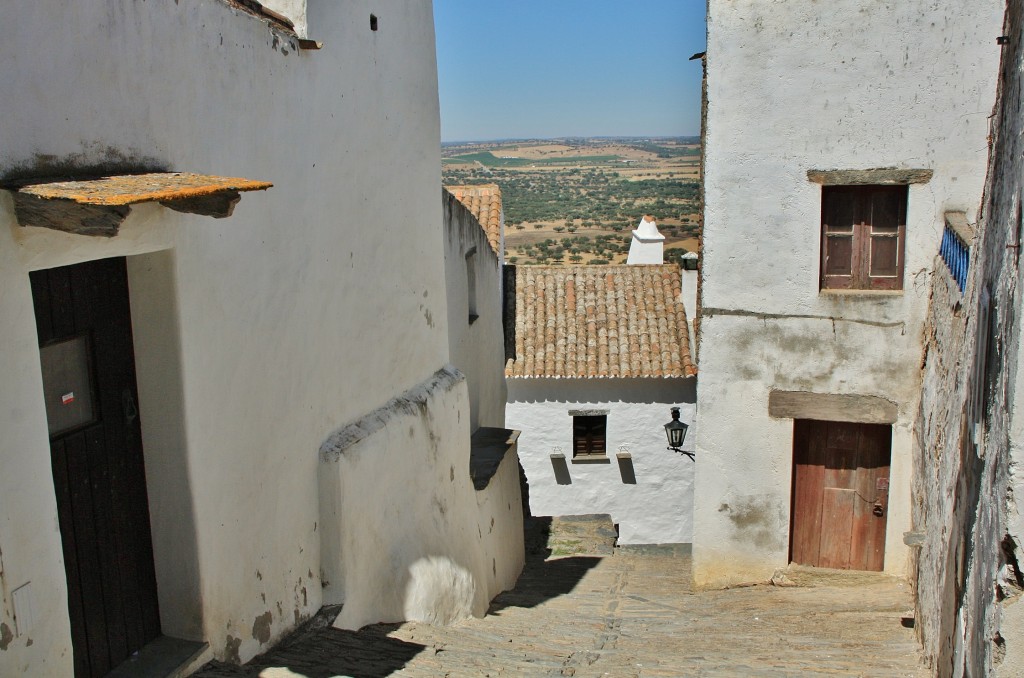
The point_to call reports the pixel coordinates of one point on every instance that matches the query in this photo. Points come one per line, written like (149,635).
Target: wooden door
(840,494)
(84,325)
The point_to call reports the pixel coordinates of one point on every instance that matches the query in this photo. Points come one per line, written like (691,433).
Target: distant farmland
(576,200)
(488,159)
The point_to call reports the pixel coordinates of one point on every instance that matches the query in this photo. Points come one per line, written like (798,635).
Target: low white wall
(658,508)
(500,526)
(402,527)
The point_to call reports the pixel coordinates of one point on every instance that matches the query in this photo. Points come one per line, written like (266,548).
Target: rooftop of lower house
(484,201)
(600,321)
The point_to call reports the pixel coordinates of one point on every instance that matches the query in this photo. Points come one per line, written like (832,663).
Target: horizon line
(566,137)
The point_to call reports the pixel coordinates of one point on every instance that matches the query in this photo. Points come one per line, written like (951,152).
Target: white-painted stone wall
(792,87)
(257,335)
(476,347)
(405,535)
(966,503)
(658,508)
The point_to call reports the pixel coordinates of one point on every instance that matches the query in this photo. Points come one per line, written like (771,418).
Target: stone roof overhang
(99,206)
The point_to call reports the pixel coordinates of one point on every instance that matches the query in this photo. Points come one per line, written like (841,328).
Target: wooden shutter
(588,435)
(839,220)
(884,236)
(863,229)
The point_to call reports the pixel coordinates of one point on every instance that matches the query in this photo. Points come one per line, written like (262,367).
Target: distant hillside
(575,200)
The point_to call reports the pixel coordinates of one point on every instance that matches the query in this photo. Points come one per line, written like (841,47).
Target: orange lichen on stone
(130,189)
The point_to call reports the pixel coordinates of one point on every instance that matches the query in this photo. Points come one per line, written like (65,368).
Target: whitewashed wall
(257,335)
(658,508)
(477,348)
(791,87)
(404,534)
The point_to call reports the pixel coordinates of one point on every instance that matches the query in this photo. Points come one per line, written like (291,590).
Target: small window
(589,436)
(863,231)
(471,284)
(68,384)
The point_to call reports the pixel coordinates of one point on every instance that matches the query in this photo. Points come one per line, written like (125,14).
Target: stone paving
(629,614)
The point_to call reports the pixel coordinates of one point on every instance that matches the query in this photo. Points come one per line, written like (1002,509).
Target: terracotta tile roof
(600,321)
(484,201)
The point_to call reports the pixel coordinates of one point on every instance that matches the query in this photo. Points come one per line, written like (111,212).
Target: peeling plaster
(261,626)
(231,647)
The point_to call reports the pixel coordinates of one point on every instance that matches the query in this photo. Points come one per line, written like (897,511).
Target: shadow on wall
(635,390)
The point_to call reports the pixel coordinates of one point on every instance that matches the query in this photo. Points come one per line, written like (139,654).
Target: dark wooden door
(840,494)
(85,339)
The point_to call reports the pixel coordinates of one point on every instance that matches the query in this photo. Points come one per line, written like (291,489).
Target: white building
(601,354)
(212,427)
(836,139)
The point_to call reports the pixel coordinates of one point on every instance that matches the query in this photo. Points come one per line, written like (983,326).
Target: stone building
(967,523)
(211,427)
(598,357)
(836,140)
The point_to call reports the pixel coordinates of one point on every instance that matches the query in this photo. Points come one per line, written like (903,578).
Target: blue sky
(552,68)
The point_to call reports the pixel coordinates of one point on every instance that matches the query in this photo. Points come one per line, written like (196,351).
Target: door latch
(881,497)
(131,413)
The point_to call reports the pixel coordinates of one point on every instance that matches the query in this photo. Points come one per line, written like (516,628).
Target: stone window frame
(869,183)
(590,456)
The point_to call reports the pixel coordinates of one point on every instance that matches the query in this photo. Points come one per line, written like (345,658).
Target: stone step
(590,534)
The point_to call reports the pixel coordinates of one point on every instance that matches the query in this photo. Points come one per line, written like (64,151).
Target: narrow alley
(615,612)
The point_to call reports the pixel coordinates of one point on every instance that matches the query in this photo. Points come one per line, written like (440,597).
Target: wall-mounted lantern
(675,431)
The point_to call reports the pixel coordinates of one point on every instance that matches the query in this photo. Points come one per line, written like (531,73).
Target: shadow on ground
(318,650)
(543,580)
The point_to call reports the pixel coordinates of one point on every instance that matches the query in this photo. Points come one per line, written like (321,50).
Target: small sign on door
(67,398)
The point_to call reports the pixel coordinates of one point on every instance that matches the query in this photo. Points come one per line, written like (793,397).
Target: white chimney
(648,246)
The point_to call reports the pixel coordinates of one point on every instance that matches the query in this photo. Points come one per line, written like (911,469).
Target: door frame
(801,428)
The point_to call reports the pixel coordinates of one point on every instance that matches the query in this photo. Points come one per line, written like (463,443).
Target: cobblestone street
(630,614)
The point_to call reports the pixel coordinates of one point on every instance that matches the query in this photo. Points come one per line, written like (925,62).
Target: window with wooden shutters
(588,436)
(863,231)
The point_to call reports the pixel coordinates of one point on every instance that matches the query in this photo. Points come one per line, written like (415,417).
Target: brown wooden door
(840,494)
(84,325)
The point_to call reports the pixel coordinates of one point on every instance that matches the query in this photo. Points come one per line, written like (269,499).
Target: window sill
(591,459)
